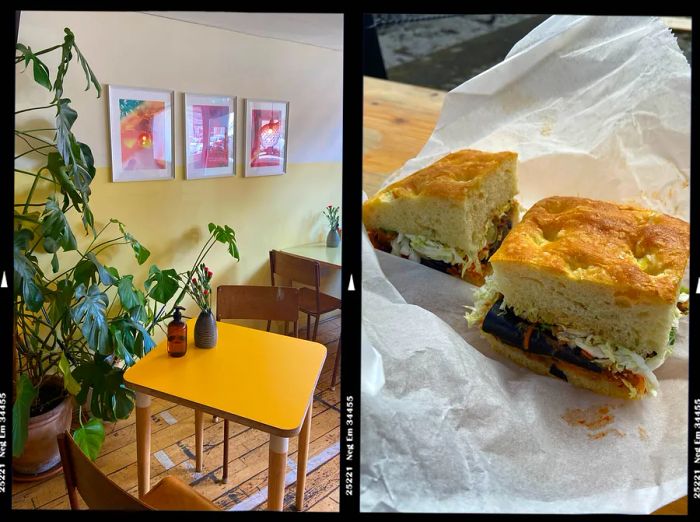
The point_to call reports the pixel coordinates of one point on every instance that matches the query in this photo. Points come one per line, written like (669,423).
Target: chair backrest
(97,490)
(295,268)
(272,303)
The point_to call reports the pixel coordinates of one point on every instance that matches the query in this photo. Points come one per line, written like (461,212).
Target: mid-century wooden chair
(271,303)
(100,492)
(312,301)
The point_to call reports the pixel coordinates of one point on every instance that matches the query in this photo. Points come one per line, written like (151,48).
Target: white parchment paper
(596,107)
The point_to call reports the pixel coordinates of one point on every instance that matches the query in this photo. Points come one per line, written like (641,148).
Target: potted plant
(65,341)
(80,326)
(332,214)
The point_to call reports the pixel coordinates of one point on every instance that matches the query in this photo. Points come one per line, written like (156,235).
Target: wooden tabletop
(328,256)
(253,377)
(398,119)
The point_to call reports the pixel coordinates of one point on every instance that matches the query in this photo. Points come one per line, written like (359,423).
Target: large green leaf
(26,393)
(26,270)
(56,229)
(227,236)
(140,251)
(59,172)
(89,437)
(127,293)
(66,57)
(105,277)
(90,312)
(111,400)
(85,272)
(59,311)
(120,349)
(89,75)
(41,72)
(65,118)
(133,337)
(69,382)
(161,285)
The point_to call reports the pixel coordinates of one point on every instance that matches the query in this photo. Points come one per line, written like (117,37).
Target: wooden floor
(172,453)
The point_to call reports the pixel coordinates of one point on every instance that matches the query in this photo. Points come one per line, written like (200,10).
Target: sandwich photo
(451,215)
(589,292)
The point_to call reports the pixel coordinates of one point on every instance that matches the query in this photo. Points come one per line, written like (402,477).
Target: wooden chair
(100,492)
(312,301)
(273,303)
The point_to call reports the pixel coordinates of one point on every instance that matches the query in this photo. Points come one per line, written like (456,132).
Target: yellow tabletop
(318,252)
(253,377)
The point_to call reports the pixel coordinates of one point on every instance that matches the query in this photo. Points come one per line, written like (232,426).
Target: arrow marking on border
(351,285)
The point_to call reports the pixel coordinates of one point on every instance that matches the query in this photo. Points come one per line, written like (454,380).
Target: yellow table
(256,378)
(331,257)
(397,121)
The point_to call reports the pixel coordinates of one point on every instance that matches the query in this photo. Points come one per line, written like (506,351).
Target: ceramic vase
(205,331)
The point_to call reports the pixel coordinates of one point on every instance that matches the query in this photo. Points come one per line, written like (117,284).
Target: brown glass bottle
(177,335)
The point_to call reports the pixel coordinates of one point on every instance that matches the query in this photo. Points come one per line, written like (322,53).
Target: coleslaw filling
(613,357)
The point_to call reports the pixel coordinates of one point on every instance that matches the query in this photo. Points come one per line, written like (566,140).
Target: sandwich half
(451,215)
(587,291)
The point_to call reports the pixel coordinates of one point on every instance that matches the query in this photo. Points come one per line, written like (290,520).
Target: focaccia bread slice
(451,215)
(602,280)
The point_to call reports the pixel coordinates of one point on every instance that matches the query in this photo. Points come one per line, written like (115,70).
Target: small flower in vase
(331,214)
(199,289)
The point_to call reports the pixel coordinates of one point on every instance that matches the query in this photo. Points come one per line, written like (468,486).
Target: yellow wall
(170,217)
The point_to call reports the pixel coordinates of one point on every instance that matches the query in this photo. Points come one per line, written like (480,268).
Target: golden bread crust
(639,253)
(449,178)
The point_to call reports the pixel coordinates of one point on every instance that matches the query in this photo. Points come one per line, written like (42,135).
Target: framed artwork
(210,136)
(141,132)
(265,137)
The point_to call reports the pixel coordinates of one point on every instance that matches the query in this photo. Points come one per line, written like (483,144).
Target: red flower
(194,279)
(330,206)
(206,292)
(210,273)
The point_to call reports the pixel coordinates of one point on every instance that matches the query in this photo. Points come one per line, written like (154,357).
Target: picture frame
(141,133)
(213,117)
(266,140)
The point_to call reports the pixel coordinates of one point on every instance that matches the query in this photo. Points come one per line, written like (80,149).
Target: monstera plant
(79,323)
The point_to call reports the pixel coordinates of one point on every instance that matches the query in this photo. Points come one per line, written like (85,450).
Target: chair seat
(307,302)
(173,494)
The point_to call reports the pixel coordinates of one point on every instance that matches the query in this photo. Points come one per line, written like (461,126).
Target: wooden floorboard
(172,452)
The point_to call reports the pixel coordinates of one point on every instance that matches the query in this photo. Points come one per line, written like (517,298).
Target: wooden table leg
(199,438)
(224,476)
(143,441)
(303,457)
(335,366)
(276,472)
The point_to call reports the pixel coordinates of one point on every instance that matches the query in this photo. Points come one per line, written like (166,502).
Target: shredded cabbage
(415,246)
(616,358)
(484,297)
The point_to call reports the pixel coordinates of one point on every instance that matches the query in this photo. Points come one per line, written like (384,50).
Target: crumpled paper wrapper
(596,107)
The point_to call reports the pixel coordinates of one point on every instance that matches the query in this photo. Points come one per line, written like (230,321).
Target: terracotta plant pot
(205,332)
(41,450)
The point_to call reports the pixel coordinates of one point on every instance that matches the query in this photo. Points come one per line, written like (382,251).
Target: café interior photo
(178,241)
